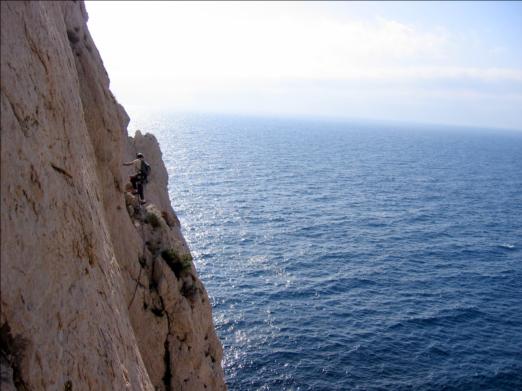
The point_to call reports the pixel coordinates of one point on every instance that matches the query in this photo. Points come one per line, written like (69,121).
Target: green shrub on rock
(153,220)
(176,263)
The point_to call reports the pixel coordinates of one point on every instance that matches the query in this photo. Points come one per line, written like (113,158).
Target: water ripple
(351,256)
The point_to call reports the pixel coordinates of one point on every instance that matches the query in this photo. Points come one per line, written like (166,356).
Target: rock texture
(97,293)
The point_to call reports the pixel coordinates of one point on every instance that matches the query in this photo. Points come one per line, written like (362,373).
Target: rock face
(97,292)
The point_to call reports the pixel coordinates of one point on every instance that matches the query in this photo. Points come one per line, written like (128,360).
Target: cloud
(290,47)
(212,46)
(257,41)
(295,57)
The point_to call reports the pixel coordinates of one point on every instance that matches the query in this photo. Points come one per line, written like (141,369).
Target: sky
(456,63)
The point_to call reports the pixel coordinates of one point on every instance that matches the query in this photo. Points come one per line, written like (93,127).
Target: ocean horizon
(346,255)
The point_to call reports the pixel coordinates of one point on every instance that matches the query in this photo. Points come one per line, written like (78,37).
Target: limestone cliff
(97,292)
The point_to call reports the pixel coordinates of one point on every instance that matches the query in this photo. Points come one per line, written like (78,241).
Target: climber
(140,178)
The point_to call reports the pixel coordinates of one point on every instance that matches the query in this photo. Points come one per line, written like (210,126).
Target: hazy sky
(447,62)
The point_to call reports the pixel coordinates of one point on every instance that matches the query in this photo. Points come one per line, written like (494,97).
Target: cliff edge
(97,291)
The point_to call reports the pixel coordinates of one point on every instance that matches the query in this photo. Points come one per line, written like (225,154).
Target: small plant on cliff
(170,256)
(153,220)
(189,290)
(176,263)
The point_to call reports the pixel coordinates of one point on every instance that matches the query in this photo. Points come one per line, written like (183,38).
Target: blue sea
(353,255)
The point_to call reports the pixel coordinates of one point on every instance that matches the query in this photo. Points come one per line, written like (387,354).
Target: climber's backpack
(145,171)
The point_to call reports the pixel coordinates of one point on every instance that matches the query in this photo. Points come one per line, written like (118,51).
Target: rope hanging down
(141,267)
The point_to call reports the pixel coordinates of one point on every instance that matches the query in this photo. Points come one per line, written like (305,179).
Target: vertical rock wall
(97,293)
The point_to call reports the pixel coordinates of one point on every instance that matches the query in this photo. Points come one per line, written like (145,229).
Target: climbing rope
(143,255)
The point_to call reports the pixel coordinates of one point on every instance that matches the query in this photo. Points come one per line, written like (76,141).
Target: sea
(353,255)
